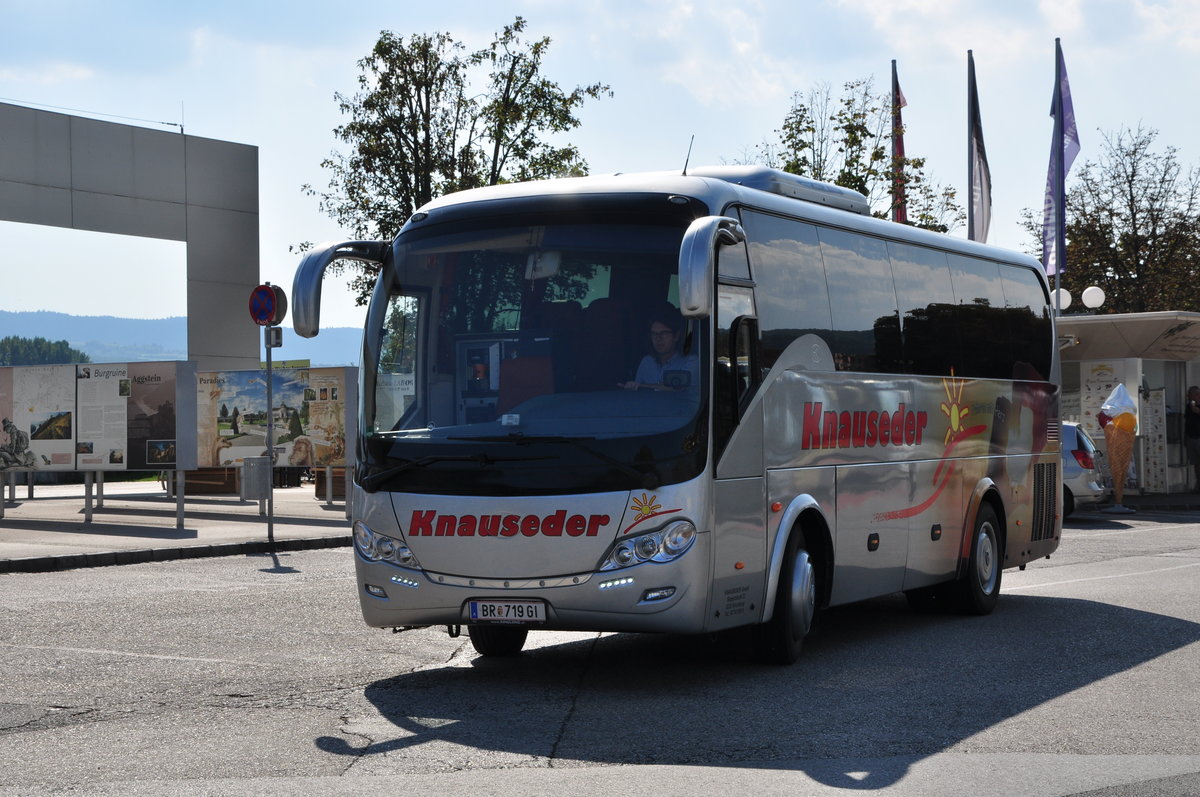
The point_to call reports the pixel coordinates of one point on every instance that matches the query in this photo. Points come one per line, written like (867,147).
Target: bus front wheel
(979,589)
(497,640)
(779,640)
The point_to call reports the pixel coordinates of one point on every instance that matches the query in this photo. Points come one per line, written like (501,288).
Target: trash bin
(256,478)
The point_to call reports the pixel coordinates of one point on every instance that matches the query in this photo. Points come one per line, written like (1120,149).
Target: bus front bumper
(665,597)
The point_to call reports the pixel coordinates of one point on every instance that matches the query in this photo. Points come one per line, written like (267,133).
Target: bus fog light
(657,594)
(378,592)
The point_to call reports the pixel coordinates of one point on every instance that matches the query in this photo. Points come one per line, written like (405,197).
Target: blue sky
(265,74)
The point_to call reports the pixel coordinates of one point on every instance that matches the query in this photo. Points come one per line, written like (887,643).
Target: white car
(1083,486)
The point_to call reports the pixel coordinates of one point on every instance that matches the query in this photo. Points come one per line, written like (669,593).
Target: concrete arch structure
(84,174)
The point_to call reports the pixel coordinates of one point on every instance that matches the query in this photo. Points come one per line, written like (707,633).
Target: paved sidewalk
(138,522)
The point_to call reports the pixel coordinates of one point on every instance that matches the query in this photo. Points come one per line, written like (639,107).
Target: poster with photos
(37,418)
(307,418)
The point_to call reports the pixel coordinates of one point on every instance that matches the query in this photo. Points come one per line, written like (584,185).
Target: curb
(48,564)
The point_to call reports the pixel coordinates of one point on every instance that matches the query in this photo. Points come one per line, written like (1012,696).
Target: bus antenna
(689,154)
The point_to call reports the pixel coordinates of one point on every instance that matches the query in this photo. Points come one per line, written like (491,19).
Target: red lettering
(595,522)
(922,419)
(466,526)
(445,525)
(898,427)
(884,428)
(421,523)
(529,525)
(859,434)
(872,427)
(576,525)
(810,433)
(510,526)
(552,525)
(844,430)
(829,425)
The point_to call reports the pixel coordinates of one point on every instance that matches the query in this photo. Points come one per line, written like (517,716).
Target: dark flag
(979,213)
(899,202)
(1064,146)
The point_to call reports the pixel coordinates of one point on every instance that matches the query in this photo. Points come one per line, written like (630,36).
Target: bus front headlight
(664,545)
(376,547)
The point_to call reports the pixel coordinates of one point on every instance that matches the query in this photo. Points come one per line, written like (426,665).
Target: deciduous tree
(38,351)
(845,140)
(1133,226)
(418,130)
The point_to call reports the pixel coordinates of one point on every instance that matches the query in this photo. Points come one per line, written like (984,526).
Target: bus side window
(1028,310)
(982,318)
(789,277)
(736,355)
(866,322)
(928,315)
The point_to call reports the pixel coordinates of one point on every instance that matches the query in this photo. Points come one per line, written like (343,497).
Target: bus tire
(497,640)
(979,588)
(779,640)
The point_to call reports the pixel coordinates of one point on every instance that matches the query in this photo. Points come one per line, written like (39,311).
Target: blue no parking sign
(268,305)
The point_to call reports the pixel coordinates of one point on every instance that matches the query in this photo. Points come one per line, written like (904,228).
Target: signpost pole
(268,306)
(270,442)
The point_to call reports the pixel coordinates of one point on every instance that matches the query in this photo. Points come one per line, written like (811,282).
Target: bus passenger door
(739,536)
(872,530)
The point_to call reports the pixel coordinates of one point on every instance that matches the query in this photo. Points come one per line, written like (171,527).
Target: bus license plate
(502,611)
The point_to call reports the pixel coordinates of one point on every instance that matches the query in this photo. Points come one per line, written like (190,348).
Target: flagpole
(1060,179)
(970,150)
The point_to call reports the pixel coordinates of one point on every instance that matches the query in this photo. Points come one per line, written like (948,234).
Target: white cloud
(53,73)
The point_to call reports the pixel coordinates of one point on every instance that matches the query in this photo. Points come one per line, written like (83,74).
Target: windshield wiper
(649,479)
(371,482)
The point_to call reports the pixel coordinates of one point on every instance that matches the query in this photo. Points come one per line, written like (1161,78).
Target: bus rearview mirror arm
(698,261)
(306,286)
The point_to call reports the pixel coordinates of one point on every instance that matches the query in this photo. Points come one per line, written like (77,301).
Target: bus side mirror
(698,261)
(306,286)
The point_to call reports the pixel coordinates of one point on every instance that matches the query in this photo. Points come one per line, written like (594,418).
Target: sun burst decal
(953,408)
(644,508)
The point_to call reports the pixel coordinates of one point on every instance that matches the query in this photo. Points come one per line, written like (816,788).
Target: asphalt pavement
(132,522)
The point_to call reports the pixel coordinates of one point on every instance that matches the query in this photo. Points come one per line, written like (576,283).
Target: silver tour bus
(691,403)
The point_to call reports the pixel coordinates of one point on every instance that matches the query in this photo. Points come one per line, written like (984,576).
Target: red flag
(899,202)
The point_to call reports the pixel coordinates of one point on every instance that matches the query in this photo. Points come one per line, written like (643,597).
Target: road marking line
(1006,588)
(130,654)
(1093,534)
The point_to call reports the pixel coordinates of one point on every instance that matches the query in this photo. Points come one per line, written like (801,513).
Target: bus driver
(665,368)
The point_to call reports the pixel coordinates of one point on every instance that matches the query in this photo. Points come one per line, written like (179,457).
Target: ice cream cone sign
(1118,416)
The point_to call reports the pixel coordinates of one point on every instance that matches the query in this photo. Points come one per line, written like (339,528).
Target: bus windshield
(537,358)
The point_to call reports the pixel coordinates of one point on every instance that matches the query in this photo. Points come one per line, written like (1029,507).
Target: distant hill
(108,339)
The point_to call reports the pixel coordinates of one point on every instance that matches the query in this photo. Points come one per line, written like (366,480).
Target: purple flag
(979,175)
(899,199)
(1063,148)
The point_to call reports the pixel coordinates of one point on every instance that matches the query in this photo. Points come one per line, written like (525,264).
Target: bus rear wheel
(497,640)
(979,589)
(779,640)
